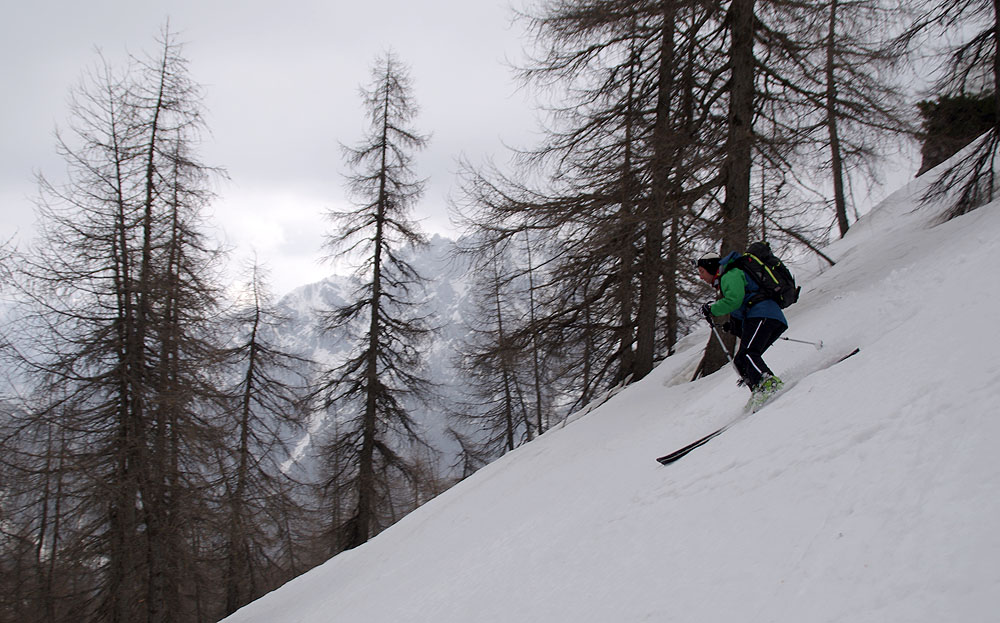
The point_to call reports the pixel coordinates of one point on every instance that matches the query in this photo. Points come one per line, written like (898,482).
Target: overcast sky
(281,83)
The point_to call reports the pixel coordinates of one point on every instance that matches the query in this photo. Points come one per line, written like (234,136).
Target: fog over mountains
(446,304)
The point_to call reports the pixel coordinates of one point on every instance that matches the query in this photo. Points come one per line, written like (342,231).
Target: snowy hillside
(868,492)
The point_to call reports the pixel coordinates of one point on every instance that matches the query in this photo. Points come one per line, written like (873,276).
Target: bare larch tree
(369,393)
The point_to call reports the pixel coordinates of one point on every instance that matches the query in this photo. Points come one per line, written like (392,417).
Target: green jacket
(733,285)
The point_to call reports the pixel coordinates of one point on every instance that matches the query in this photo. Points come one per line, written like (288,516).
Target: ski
(850,354)
(667,459)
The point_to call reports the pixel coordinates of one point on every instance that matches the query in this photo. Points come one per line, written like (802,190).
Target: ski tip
(850,354)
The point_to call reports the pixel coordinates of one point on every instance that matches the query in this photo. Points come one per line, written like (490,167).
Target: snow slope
(867,492)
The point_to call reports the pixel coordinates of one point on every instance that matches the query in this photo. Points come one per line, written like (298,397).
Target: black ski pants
(756,336)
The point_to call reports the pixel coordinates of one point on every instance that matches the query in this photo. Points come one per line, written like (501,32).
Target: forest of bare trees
(146,405)
(673,128)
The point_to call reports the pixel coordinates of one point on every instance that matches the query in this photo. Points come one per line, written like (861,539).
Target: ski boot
(769,386)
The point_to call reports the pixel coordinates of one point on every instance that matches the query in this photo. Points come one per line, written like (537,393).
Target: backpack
(773,278)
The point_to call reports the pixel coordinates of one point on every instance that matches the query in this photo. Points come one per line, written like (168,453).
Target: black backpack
(773,278)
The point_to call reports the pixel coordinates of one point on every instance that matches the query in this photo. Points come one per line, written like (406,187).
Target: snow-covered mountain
(867,492)
(445,303)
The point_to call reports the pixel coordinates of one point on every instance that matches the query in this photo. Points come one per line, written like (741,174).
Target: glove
(706,311)
(733,327)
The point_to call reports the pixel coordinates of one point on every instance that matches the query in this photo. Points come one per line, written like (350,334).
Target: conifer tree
(117,337)
(370,394)
(267,407)
(619,174)
(494,417)
(972,67)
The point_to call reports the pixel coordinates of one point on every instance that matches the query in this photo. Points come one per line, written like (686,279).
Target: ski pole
(721,343)
(818,344)
(729,355)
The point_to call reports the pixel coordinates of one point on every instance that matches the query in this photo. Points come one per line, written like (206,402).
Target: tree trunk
(739,142)
(735,218)
(236,560)
(535,362)
(996,67)
(508,395)
(366,465)
(652,262)
(836,161)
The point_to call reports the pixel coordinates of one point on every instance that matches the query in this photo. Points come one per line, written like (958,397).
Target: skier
(757,325)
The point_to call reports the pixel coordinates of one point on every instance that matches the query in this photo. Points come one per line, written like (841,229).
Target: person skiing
(757,324)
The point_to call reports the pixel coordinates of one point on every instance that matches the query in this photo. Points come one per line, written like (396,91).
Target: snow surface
(865,493)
